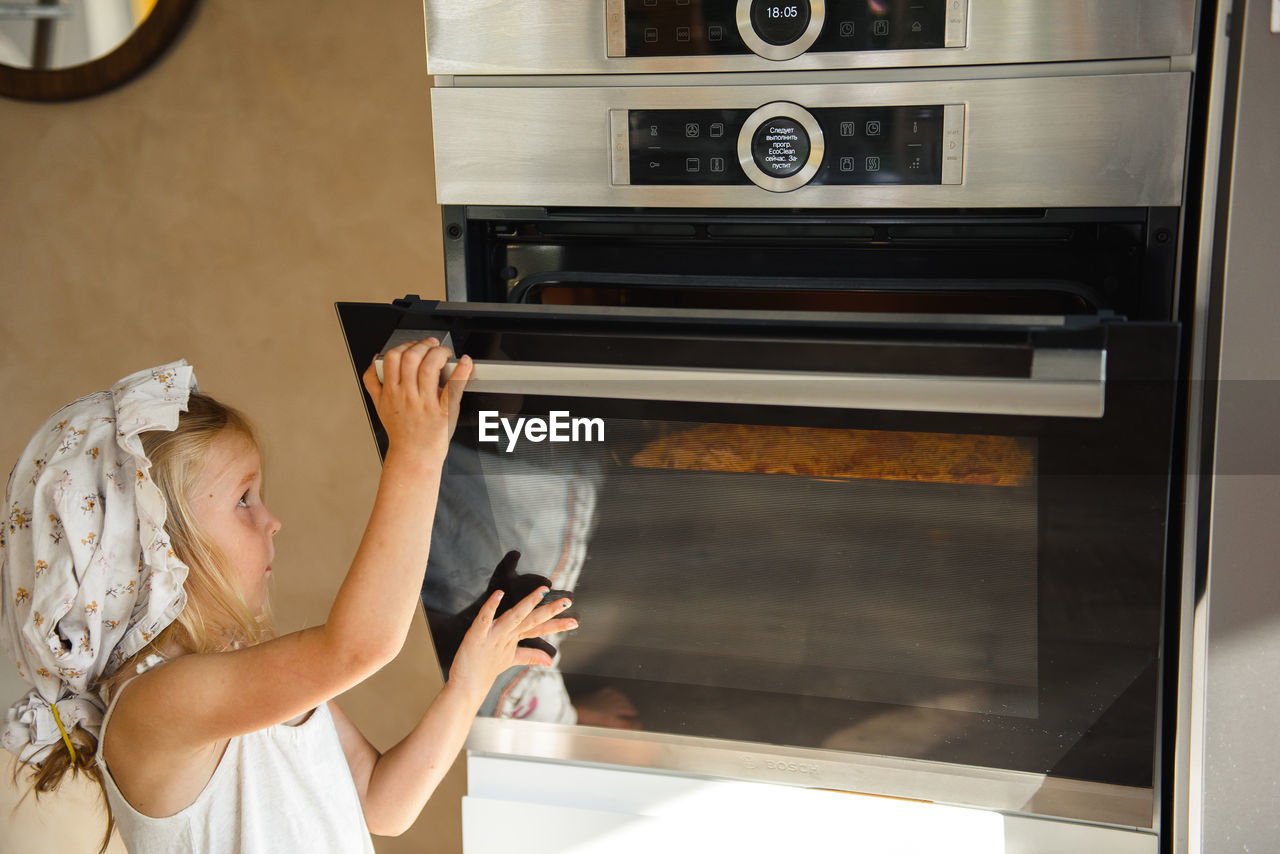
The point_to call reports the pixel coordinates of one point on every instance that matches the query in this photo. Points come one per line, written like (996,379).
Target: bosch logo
(780,765)
(791,767)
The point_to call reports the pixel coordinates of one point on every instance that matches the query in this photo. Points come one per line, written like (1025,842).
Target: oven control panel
(780,29)
(783,146)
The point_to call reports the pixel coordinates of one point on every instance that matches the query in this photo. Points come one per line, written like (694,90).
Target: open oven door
(924,552)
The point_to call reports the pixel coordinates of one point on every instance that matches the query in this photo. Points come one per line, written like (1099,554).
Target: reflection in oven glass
(861,590)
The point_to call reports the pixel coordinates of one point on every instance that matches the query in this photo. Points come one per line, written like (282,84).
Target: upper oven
(561,37)
(842,389)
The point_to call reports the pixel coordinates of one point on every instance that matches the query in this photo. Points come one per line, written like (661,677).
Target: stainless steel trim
(953,144)
(620,145)
(1233,785)
(1150,65)
(817,16)
(615,24)
(1187,769)
(957,26)
(1106,141)
(962,785)
(1064,384)
(817,146)
(519,37)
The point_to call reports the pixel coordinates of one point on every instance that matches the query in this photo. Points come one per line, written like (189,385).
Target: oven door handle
(1063,383)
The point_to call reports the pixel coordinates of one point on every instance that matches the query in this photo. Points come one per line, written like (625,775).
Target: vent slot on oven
(1064,262)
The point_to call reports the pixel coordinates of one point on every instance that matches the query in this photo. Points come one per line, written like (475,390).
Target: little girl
(134,564)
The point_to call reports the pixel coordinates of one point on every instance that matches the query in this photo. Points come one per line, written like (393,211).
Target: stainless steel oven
(830,354)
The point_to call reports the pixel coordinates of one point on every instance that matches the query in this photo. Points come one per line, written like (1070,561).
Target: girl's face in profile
(227,504)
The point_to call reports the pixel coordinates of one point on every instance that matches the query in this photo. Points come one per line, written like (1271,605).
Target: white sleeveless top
(284,788)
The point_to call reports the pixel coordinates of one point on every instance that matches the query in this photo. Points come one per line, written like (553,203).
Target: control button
(880,28)
(715,33)
(717,164)
(780,147)
(916,27)
(873,128)
(846,164)
(693,164)
(716,130)
(846,29)
(682,34)
(692,130)
(780,21)
(779,29)
(873,164)
(651,2)
(848,128)
(650,35)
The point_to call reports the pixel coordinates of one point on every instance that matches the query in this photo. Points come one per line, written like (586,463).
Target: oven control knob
(780,29)
(780,146)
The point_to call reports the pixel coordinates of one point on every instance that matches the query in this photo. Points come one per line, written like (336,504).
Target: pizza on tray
(822,452)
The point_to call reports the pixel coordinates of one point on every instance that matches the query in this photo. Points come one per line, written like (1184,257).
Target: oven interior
(1024,261)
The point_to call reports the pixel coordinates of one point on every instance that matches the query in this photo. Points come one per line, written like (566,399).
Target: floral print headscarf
(87,575)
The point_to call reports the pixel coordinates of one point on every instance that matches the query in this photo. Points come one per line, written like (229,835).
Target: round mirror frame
(134,55)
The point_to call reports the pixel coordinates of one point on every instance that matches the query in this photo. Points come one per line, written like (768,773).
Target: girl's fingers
(488,609)
(543,613)
(372,384)
(391,365)
(428,379)
(458,379)
(525,655)
(515,618)
(410,367)
(549,627)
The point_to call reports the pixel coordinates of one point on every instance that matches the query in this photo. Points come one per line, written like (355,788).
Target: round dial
(780,146)
(780,29)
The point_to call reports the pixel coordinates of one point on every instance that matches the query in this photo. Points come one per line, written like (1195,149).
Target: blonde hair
(216,617)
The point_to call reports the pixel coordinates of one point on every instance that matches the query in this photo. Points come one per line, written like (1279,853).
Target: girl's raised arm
(197,700)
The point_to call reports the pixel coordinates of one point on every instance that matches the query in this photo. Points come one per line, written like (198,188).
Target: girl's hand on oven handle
(418,410)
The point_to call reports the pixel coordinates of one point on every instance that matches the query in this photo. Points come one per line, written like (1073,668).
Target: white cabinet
(555,808)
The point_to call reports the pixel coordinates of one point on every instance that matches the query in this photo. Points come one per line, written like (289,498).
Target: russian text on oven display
(558,426)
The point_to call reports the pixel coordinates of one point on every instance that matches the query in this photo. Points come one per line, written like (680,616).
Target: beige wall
(277,160)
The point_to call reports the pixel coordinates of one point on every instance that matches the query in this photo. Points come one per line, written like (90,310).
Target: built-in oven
(843,397)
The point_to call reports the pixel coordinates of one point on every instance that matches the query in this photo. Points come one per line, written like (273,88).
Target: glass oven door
(911,555)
